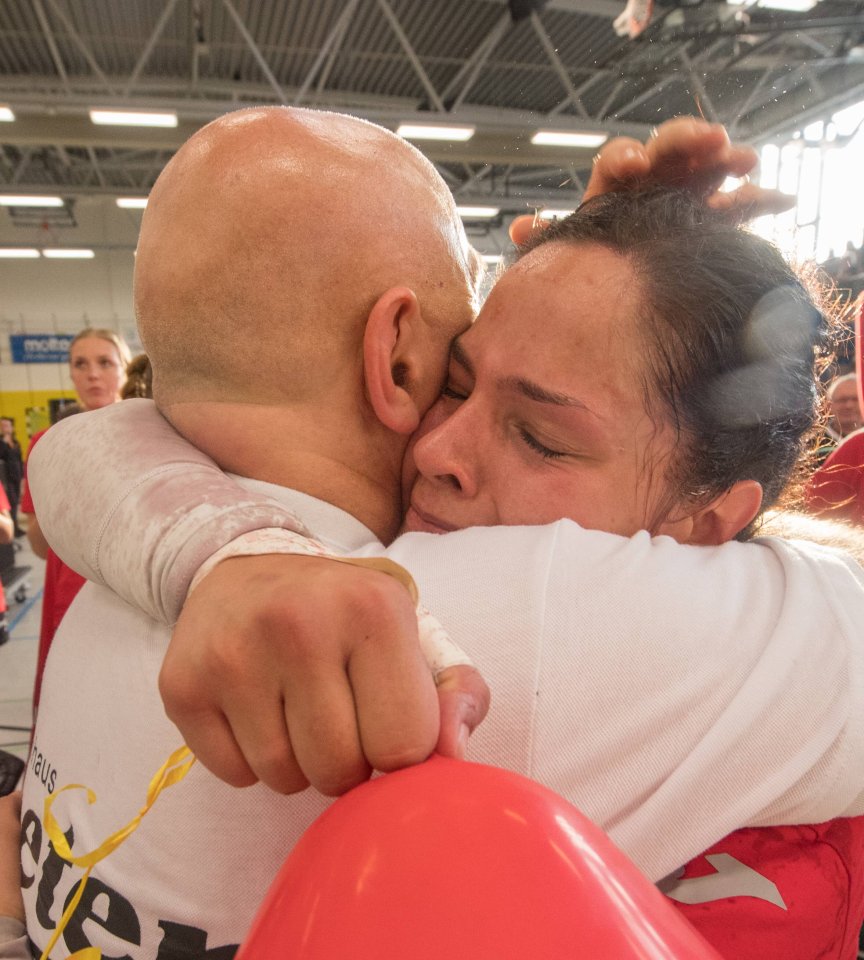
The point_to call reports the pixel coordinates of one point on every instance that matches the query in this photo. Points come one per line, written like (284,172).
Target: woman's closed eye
(452,393)
(534,444)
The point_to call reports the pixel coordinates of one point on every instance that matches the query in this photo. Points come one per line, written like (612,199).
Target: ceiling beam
(94,161)
(334,39)
(807,111)
(43,118)
(752,95)
(167,10)
(411,54)
(488,145)
(470,71)
(256,53)
(699,87)
(86,52)
(593,8)
(732,28)
(52,43)
(557,65)
(516,200)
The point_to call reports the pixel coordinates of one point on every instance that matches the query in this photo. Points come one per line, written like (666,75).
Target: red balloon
(450,860)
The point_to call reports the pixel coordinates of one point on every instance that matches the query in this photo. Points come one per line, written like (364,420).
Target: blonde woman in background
(97,363)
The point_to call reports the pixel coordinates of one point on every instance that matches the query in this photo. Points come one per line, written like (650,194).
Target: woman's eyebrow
(528,388)
(535,392)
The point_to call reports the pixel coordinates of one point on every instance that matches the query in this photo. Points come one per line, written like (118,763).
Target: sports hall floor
(18,656)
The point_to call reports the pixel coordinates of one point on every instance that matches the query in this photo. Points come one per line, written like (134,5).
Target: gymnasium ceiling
(507,67)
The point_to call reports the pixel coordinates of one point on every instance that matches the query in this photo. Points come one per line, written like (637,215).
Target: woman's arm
(148,507)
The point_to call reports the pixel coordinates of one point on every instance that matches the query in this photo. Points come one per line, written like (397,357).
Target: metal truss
(612,93)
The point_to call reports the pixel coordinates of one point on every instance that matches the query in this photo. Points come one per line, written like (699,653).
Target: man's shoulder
(568,547)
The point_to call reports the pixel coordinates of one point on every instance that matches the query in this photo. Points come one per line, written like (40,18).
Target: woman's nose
(447,454)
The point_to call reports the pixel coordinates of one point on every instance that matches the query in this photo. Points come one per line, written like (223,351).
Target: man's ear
(721,520)
(391,355)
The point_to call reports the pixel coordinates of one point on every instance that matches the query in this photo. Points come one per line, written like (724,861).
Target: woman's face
(97,372)
(543,416)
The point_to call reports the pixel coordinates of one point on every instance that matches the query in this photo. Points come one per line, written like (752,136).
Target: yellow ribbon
(383,565)
(172,771)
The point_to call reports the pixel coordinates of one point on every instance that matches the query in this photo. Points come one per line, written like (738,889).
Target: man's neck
(339,460)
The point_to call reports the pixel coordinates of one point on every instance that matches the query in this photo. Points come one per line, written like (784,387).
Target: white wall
(63,296)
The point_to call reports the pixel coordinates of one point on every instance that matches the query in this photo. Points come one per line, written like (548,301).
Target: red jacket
(778,893)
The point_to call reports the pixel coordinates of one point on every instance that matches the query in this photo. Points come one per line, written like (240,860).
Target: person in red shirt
(836,489)
(97,363)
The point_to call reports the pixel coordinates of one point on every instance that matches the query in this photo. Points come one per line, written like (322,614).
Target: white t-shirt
(622,678)
(672,693)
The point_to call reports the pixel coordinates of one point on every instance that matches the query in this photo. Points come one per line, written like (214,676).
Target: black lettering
(31,839)
(52,870)
(189,943)
(43,769)
(115,915)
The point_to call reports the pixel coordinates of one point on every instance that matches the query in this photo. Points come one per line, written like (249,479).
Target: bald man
(304,374)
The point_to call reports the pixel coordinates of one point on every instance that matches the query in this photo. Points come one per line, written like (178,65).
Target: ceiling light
(11,200)
(19,253)
(798,6)
(492,257)
(428,131)
(68,253)
(134,118)
(555,214)
(131,203)
(563,138)
(6,115)
(478,213)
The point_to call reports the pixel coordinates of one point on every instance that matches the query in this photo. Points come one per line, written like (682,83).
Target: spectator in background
(139,379)
(843,406)
(97,363)
(10,454)
(836,489)
(844,415)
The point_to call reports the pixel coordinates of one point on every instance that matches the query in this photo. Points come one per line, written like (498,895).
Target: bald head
(266,240)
